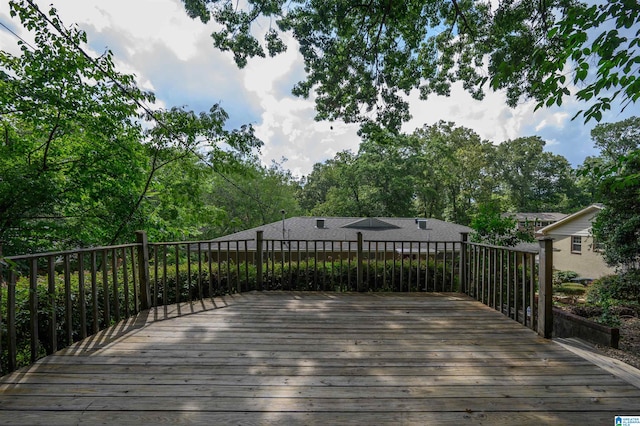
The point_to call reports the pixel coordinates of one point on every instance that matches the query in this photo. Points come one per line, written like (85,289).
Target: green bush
(46,301)
(376,276)
(620,288)
(560,277)
(613,292)
(570,289)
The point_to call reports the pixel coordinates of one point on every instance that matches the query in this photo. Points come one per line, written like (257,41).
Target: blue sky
(173,56)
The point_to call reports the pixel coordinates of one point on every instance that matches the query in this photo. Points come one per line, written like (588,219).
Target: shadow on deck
(317,358)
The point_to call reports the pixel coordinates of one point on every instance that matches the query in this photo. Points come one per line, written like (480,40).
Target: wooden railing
(517,283)
(51,300)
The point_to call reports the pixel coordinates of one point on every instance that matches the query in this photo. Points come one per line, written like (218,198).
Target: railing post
(464,237)
(360,267)
(143,269)
(259,241)
(33,308)
(1,287)
(545,288)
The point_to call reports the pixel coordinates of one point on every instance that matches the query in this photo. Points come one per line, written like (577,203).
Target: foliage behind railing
(504,279)
(51,300)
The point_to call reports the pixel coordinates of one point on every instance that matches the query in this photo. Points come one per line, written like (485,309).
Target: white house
(574,248)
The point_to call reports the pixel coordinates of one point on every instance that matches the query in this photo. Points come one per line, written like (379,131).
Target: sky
(173,56)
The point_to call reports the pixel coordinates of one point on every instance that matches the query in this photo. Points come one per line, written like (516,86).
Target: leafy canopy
(77,166)
(617,226)
(491,227)
(360,57)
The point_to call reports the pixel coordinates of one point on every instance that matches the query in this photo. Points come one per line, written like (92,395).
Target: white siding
(580,226)
(587,263)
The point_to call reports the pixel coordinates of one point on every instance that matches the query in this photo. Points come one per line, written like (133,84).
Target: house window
(597,245)
(576,245)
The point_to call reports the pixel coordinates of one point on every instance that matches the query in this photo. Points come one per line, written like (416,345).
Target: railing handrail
(351,241)
(509,248)
(67,252)
(169,243)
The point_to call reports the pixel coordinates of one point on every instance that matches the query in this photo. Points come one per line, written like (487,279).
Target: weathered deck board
(316,358)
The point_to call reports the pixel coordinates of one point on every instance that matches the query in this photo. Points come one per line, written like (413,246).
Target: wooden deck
(318,358)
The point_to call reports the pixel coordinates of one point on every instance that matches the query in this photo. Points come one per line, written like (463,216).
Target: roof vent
(320,223)
(422,223)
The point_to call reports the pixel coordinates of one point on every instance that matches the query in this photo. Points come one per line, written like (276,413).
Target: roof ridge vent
(370,223)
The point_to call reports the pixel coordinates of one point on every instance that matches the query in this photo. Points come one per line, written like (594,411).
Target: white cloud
(286,124)
(491,118)
(144,23)
(556,119)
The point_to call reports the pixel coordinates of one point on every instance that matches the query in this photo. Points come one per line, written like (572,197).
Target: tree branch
(49,140)
(462,15)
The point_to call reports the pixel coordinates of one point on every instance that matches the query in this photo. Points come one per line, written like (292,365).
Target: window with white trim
(576,245)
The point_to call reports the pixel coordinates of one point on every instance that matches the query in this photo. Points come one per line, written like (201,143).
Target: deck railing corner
(143,261)
(545,288)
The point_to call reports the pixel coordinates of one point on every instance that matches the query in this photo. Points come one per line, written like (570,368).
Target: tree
(385,167)
(250,194)
(346,196)
(316,185)
(619,143)
(491,227)
(617,226)
(453,171)
(360,57)
(182,137)
(376,182)
(618,139)
(533,180)
(77,166)
(70,157)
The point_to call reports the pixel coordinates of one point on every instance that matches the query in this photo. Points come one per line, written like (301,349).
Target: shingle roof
(346,229)
(540,216)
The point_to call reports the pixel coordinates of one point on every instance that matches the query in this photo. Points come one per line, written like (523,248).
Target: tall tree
(346,196)
(453,171)
(361,56)
(70,157)
(250,194)
(377,181)
(385,168)
(76,164)
(618,139)
(316,185)
(532,179)
(617,226)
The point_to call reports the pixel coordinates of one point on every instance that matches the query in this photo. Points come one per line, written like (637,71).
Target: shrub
(622,288)
(560,277)
(570,289)
(612,291)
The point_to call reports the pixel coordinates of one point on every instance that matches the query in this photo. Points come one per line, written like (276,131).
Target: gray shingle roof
(346,229)
(541,216)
